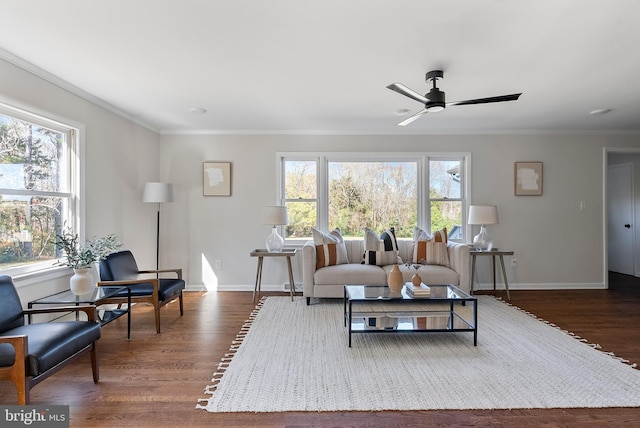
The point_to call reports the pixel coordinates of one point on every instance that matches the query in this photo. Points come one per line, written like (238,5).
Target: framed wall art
(528,178)
(216,178)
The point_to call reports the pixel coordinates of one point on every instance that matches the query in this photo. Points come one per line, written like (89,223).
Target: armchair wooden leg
(23,393)
(22,387)
(181,306)
(155,301)
(157,311)
(18,372)
(94,363)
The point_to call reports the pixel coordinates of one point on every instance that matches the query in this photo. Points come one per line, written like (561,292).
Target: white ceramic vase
(81,282)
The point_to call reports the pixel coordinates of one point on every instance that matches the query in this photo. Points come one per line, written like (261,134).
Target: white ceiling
(323,65)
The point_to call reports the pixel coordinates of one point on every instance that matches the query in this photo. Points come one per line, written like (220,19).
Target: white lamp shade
(158,192)
(483,214)
(274,215)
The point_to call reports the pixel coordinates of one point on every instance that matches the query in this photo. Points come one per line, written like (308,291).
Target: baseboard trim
(543,286)
(482,287)
(263,287)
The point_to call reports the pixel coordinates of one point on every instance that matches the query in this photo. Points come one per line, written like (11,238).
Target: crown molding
(55,80)
(188,132)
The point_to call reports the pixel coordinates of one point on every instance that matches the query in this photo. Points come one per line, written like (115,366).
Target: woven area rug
(294,357)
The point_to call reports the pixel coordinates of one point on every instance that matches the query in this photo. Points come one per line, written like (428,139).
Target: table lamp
(275,216)
(483,215)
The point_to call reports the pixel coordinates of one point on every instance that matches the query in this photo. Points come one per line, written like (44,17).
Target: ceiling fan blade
(407,92)
(497,99)
(412,118)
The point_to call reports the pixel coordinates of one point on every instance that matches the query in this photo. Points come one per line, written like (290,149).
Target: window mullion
(323,193)
(424,212)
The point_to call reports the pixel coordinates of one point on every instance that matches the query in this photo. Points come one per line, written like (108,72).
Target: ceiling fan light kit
(435,101)
(435,108)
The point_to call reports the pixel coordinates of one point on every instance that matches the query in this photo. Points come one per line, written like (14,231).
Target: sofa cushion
(430,274)
(330,248)
(430,249)
(50,343)
(350,273)
(167,289)
(380,250)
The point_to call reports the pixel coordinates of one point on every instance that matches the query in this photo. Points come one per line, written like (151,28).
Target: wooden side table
(493,253)
(261,254)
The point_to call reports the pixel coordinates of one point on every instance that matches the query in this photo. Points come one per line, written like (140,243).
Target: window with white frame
(446,199)
(300,190)
(354,191)
(38,189)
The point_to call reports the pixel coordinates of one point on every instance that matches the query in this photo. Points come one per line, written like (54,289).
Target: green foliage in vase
(78,255)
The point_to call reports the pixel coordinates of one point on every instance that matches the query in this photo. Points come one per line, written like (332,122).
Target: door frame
(605,198)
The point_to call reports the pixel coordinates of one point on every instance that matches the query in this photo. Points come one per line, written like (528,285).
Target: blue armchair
(121,269)
(29,353)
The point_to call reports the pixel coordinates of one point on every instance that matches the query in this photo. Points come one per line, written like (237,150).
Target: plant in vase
(80,257)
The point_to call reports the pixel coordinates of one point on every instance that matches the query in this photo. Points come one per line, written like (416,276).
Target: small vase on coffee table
(416,280)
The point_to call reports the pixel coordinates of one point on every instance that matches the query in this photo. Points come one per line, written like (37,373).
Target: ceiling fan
(434,101)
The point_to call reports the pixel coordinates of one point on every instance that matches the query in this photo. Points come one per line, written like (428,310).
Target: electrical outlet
(514,263)
(218,264)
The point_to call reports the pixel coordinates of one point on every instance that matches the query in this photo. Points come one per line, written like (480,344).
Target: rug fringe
(575,336)
(222,366)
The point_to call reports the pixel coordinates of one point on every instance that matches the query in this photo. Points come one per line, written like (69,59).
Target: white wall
(557,245)
(119,157)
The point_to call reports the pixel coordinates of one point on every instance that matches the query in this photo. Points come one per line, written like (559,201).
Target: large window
(37,189)
(354,191)
(374,194)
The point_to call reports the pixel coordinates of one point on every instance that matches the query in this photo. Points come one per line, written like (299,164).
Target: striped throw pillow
(330,248)
(430,249)
(380,250)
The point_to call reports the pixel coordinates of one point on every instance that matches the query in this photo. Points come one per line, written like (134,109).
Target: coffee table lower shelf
(378,311)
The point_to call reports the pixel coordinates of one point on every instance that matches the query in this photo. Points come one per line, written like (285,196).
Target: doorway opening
(620,216)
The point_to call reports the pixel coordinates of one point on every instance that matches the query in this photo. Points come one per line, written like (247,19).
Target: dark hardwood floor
(156,380)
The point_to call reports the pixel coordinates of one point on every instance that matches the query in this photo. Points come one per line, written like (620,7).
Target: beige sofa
(329,281)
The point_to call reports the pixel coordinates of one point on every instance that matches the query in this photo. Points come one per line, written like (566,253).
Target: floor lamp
(158,193)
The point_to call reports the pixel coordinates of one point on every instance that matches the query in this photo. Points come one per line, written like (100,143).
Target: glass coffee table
(97,297)
(375,309)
